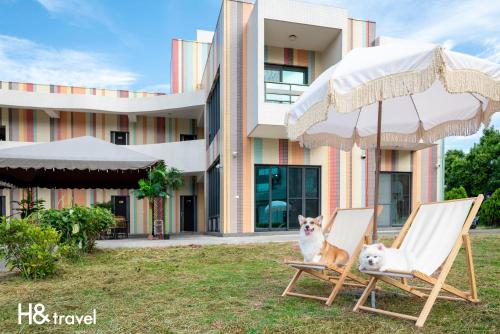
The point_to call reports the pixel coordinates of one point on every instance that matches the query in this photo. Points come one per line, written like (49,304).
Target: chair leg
(470,266)
(292,282)
(336,288)
(428,305)
(361,301)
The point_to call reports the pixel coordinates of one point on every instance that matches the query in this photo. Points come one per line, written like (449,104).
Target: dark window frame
(3,133)
(185,136)
(3,208)
(213,193)
(303,197)
(113,137)
(213,108)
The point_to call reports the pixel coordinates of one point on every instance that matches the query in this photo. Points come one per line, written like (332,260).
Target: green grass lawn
(232,289)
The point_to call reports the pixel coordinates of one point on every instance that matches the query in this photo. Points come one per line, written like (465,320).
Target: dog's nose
(370,262)
(307,227)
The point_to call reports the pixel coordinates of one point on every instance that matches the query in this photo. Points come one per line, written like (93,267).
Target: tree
(456,193)
(490,210)
(477,171)
(161,182)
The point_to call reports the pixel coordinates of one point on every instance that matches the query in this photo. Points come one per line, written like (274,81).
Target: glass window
(280,195)
(213,180)
(395,198)
(213,111)
(119,137)
(3,133)
(2,206)
(294,76)
(312,176)
(272,75)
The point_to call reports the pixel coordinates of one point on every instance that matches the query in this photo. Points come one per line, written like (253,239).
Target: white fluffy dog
(379,258)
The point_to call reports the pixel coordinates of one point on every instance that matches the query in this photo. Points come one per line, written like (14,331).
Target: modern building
(224,126)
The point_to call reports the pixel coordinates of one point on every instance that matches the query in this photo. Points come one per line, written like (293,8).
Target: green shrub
(28,247)
(490,210)
(456,193)
(80,226)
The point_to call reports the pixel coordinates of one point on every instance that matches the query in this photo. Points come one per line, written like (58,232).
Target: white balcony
(184,105)
(291,24)
(188,156)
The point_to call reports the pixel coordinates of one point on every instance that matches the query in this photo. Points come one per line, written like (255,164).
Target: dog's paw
(361,268)
(383,268)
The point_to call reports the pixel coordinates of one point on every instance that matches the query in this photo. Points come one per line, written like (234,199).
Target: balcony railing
(280,92)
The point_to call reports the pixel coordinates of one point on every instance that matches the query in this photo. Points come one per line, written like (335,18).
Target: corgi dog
(314,247)
(332,255)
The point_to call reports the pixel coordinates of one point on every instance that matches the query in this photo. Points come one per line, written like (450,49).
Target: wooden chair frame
(337,276)
(437,284)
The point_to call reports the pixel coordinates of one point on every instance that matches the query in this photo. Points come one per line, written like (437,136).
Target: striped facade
(27,125)
(347,178)
(188,62)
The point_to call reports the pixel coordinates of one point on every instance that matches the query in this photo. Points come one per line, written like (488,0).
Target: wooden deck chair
(348,229)
(434,233)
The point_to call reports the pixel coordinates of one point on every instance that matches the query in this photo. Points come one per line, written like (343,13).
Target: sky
(126,44)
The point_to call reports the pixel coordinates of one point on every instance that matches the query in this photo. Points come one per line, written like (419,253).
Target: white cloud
(87,14)
(23,60)
(77,11)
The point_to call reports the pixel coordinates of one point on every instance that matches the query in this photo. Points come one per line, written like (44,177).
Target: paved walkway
(202,240)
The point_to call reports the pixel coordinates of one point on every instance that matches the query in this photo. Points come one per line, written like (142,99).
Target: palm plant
(160,181)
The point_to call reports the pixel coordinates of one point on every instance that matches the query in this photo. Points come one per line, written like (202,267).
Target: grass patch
(231,289)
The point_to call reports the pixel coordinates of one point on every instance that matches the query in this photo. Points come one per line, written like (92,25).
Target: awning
(83,162)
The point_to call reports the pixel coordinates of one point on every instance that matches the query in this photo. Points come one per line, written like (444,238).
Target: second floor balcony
(283,83)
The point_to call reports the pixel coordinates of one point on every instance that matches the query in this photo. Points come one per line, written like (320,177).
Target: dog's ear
(320,220)
(302,220)
(380,246)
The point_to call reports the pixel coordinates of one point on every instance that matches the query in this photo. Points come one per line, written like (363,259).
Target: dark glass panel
(295,182)
(312,208)
(312,182)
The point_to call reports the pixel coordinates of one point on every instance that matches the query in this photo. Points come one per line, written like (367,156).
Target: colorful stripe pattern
(188,61)
(60,89)
(37,126)
(293,57)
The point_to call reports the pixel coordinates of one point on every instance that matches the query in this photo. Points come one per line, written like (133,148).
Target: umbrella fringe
(450,128)
(390,86)
(472,81)
(317,113)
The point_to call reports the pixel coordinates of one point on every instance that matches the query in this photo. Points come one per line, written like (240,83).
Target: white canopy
(428,93)
(84,153)
(83,162)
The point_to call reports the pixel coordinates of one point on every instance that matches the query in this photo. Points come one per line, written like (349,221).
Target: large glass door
(395,198)
(284,192)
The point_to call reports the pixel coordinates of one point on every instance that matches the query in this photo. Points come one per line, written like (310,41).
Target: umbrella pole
(378,154)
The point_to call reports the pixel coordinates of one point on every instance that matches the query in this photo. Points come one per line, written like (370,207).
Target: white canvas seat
(434,234)
(347,229)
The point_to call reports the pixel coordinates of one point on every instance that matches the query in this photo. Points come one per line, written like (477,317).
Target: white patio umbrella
(396,95)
